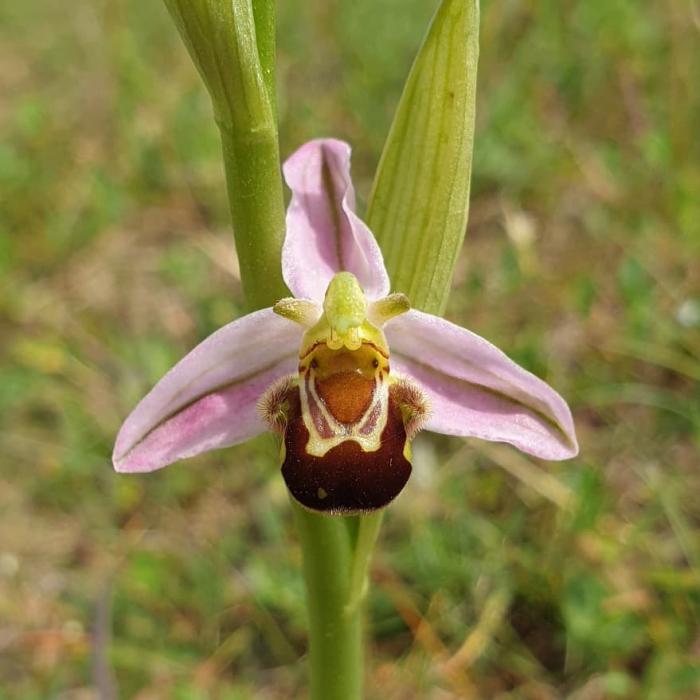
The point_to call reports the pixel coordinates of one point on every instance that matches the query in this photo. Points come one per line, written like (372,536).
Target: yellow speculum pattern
(344,396)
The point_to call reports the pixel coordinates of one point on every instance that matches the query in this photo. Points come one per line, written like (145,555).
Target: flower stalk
(335,630)
(231,43)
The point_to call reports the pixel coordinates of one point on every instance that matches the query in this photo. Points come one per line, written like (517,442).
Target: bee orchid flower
(345,372)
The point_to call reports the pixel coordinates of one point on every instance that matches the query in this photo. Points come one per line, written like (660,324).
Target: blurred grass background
(497,576)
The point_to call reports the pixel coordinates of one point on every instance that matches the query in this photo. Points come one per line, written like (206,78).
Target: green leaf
(420,200)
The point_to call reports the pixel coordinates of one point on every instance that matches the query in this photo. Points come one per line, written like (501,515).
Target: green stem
(232,44)
(367,534)
(335,630)
(251,159)
(252,162)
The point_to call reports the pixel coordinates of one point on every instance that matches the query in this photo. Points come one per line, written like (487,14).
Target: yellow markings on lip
(344,396)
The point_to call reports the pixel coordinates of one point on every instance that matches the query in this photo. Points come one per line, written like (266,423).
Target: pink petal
(476,390)
(324,235)
(209,398)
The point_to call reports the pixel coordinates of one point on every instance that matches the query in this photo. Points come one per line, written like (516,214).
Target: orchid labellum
(345,372)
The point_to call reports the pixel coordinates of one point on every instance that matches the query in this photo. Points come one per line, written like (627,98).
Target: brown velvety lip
(346,479)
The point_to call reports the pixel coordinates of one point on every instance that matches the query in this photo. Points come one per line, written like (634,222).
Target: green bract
(420,200)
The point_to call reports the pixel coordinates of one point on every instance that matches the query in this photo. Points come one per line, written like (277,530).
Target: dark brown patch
(346,479)
(346,394)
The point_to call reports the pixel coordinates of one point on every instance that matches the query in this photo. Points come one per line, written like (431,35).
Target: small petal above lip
(324,235)
(476,390)
(209,398)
